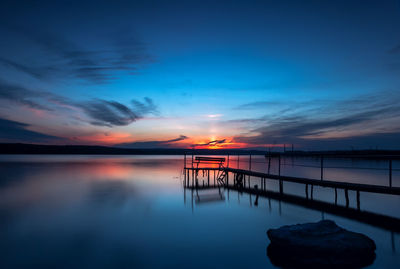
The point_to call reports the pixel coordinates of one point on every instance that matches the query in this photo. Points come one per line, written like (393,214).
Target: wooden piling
(322,167)
(312,192)
(358,200)
(335,196)
(306,191)
(250,162)
(346,194)
(390,173)
(279,164)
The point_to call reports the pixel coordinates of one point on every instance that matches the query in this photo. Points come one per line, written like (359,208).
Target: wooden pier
(258,187)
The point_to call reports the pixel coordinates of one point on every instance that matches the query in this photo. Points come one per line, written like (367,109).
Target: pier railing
(241,161)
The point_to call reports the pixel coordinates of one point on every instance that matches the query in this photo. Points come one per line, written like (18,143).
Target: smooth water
(132,212)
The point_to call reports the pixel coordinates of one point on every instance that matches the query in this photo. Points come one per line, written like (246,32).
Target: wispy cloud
(368,115)
(101,112)
(13,131)
(211,143)
(154,143)
(58,58)
(112,113)
(22,96)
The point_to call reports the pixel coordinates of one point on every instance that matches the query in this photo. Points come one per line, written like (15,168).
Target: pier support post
(214,177)
(237,165)
(346,194)
(390,173)
(322,167)
(280,186)
(184,161)
(250,162)
(269,164)
(312,192)
(306,191)
(279,165)
(335,196)
(227,165)
(358,200)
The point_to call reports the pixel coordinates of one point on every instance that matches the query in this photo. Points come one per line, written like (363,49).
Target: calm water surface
(132,212)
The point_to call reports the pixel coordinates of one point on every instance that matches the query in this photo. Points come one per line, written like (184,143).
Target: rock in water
(317,245)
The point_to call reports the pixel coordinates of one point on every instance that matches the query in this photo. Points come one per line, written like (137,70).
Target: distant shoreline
(20,148)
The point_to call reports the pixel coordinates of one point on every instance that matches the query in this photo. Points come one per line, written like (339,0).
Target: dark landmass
(20,148)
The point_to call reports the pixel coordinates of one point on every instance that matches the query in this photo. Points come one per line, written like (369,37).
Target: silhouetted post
(279,165)
(214,177)
(335,196)
(390,173)
(269,163)
(192,158)
(358,200)
(312,192)
(307,191)
(256,201)
(280,187)
(237,166)
(184,180)
(184,161)
(322,167)
(208,177)
(227,165)
(346,194)
(250,162)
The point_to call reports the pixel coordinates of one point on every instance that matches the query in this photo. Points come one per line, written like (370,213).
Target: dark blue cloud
(153,144)
(13,131)
(112,113)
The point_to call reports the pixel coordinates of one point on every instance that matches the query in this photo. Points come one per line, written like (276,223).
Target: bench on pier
(209,160)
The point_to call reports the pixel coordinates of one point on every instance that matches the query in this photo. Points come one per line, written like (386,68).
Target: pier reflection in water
(132,211)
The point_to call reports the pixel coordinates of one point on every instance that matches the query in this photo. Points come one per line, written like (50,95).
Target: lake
(77,211)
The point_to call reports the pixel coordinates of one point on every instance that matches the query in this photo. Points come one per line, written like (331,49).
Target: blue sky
(317,74)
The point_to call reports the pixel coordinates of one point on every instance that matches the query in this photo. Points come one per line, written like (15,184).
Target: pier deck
(312,182)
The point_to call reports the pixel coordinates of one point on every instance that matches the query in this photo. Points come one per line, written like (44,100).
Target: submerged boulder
(320,244)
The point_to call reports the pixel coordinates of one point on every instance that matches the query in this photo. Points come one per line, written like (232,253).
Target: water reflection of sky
(108,212)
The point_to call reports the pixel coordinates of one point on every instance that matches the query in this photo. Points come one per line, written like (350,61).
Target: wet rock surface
(320,244)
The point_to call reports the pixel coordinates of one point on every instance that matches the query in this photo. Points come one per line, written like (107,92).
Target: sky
(317,75)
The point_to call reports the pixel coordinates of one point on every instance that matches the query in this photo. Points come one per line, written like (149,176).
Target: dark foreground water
(132,212)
